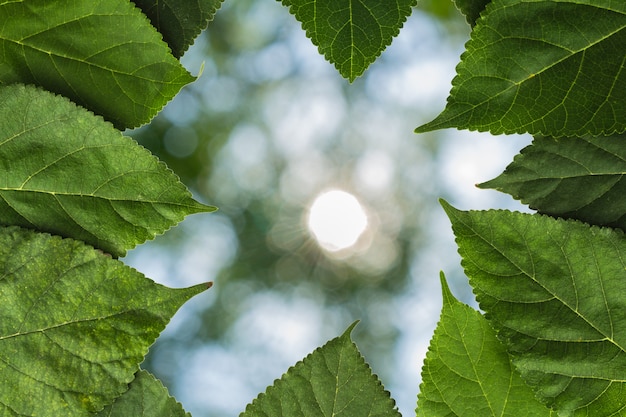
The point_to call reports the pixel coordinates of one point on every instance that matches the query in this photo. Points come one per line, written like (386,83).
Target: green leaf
(351,34)
(580,178)
(554,291)
(471,9)
(146,397)
(65,171)
(553,68)
(103,54)
(334,380)
(74,324)
(179,21)
(467,371)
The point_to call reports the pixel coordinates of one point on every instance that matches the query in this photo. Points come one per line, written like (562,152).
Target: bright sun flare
(337,220)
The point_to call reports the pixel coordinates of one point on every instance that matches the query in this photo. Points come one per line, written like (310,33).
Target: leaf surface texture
(146,397)
(65,171)
(74,324)
(554,290)
(549,67)
(334,380)
(102,54)
(467,371)
(351,34)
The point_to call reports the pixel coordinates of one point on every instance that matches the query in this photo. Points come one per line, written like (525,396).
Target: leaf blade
(74,324)
(552,289)
(577,178)
(471,9)
(350,34)
(530,65)
(467,371)
(146,397)
(65,171)
(334,380)
(104,55)
(180,22)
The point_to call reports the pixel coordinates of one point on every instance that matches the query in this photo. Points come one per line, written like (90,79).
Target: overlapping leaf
(554,290)
(103,54)
(65,171)
(467,371)
(581,178)
(179,21)
(74,324)
(351,34)
(334,380)
(545,67)
(146,397)
(471,9)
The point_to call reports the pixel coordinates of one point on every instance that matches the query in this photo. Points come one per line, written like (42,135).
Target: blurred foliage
(264,130)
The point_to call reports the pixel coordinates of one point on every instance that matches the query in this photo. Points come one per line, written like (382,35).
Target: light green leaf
(471,9)
(467,371)
(74,324)
(351,34)
(65,171)
(334,380)
(103,54)
(146,397)
(580,178)
(179,21)
(554,291)
(544,67)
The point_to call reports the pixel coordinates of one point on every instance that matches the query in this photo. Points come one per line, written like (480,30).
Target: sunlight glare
(336,220)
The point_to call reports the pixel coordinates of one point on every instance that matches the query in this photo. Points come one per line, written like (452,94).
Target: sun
(336,220)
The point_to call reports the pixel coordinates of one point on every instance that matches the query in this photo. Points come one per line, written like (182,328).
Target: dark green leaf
(74,324)
(103,54)
(471,9)
(146,397)
(467,371)
(65,171)
(554,290)
(351,34)
(332,381)
(581,178)
(545,67)
(179,21)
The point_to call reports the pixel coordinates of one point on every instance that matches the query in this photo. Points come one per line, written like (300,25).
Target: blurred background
(265,133)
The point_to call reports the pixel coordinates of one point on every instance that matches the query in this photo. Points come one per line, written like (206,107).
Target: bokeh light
(336,219)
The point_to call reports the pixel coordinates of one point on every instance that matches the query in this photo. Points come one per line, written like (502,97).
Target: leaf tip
(444,283)
(449,209)
(350,328)
(487,185)
(448,297)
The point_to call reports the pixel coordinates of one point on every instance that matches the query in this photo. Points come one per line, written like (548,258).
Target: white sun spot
(336,220)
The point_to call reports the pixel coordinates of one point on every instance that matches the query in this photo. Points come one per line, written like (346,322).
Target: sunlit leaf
(74,324)
(581,178)
(554,291)
(103,54)
(334,380)
(351,34)
(467,371)
(146,397)
(179,21)
(65,171)
(545,67)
